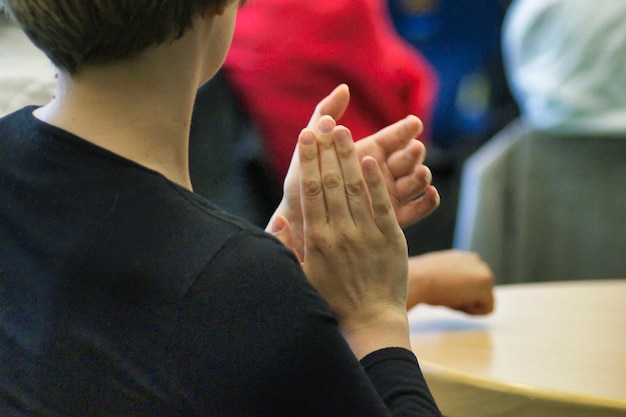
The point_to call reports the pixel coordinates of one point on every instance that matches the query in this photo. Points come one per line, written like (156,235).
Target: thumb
(281,230)
(333,105)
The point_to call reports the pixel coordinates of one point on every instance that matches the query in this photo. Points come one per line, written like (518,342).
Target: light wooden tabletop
(549,349)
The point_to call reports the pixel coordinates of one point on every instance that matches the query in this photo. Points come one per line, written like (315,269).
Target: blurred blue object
(461,40)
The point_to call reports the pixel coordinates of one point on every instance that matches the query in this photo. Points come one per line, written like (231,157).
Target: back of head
(76,33)
(566,60)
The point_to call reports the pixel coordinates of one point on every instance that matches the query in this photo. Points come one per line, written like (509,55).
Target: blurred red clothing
(287,55)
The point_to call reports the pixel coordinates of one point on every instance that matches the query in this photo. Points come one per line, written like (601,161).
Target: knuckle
(428,175)
(354,189)
(332,179)
(308,154)
(381,209)
(326,143)
(344,234)
(319,240)
(345,152)
(311,187)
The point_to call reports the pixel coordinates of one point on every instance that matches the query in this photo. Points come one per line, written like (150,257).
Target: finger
(311,192)
(476,308)
(331,173)
(413,211)
(381,204)
(355,188)
(409,187)
(281,230)
(396,136)
(333,105)
(404,161)
(387,146)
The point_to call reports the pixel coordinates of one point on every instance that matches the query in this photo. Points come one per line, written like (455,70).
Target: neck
(139,109)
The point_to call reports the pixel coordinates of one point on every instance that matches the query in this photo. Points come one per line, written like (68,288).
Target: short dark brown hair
(75,33)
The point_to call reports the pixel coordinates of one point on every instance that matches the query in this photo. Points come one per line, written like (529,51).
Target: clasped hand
(355,253)
(399,155)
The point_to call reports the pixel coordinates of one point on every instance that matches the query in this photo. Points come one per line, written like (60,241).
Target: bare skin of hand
(399,155)
(452,278)
(355,252)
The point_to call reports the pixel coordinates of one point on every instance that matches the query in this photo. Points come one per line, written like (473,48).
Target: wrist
(418,282)
(377,330)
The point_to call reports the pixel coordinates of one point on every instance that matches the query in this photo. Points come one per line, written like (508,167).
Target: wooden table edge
(438,376)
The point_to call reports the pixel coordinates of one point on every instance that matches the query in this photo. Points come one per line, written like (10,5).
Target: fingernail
(326,125)
(341,136)
(278,225)
(369,163)
(307,137)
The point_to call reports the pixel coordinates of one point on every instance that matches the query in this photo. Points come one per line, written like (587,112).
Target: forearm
(451,278)
(399,381)
(379,331)
(418,281)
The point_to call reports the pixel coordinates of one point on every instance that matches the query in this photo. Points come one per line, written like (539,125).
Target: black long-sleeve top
(122,294)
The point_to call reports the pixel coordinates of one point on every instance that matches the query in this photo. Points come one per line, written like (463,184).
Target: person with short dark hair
(124,293)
